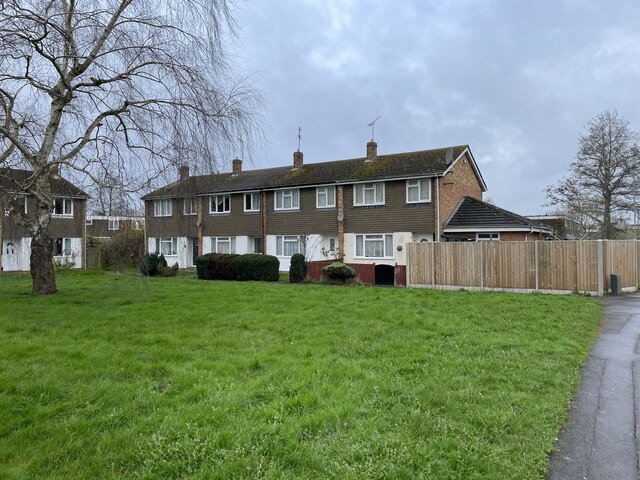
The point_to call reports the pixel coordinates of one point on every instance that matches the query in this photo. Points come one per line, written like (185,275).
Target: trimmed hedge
(215,266)
(339,271)
(252,266)
(298,268)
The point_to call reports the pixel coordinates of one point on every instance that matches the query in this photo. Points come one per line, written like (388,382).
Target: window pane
(379,188)
(279,245)
(369,195)
(424,189)
(412,193)
(294,196)
(388,245)
(322,197)
(359,194)
(359,246)
(331,196)
(287,200)
(278,199)
(256,201)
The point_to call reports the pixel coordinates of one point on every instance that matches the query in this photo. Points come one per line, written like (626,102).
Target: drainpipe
(340,219)
(84,246)
(437,239)
(263,214)
(199,224)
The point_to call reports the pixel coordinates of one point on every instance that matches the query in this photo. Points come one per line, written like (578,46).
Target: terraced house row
(362,210)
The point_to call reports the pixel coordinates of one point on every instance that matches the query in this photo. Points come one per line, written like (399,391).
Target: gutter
(437,239)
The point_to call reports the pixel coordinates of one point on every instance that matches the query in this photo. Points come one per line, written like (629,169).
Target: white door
(9,255)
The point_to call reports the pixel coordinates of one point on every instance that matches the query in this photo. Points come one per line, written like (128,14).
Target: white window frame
(255,201)
(280,197)
(66,202)
(283,240)
(361,240)
(360,189)
(487,236)
(334,247)
(190,205)
(65,247)
(113,224)
(164,241)
(329,194)
(424,194)
(217,241)
(163,207)
(214,201)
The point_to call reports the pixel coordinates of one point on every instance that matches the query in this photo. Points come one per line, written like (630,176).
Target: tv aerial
(373,127)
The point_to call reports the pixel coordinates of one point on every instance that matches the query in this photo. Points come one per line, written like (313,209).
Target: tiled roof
(473,213)
(12,178)
(399,165)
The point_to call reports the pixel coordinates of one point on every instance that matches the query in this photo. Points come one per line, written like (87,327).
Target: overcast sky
(516,80)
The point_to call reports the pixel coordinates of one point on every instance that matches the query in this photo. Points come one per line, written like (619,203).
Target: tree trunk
(43,276)
(606,220)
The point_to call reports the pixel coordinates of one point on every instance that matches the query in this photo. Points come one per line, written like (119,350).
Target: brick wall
(460,181)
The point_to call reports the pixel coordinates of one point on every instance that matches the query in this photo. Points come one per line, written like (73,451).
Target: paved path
(600,441)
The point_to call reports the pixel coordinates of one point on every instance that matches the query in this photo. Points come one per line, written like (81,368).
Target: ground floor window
(60,246)
(288,245)
(257,245)
(223,244)
(488,237)
(167,246)
(377,245)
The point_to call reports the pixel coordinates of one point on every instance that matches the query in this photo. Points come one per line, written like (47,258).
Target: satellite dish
(449,156)
(340,217)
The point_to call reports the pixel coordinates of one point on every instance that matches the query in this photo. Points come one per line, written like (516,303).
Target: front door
(195,249)
(9,256)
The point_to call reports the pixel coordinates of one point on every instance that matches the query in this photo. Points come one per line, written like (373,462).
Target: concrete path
(600,441)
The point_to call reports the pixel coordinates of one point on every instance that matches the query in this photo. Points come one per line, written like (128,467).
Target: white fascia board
(493,229)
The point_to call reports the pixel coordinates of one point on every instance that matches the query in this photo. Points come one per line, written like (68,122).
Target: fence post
(433,264)
(535,255)
(481,264)
(600,270)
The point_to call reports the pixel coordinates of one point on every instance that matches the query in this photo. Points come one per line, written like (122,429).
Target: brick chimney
(297,159)
(372,150)
(237,166)
(184,172)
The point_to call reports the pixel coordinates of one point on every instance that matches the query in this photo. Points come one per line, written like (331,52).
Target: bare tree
(103,86)
(599,188)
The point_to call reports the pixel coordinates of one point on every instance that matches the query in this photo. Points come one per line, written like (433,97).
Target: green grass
(120,377)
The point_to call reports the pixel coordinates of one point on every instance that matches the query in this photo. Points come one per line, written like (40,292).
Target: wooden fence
(550,267)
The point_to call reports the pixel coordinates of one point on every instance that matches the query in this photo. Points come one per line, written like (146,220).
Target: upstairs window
(220,204)
(190,206)
(419,191)
(287,199)
(365,194)
(163,208)
(326,197)
(113,224)
(63,207)
(252,202)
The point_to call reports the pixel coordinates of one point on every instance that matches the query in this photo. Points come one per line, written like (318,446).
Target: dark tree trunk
(43,276)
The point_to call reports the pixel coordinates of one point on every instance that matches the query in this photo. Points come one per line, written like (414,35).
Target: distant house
(563,227)
(476,220)
(363,210)
(66,230)
(103,227)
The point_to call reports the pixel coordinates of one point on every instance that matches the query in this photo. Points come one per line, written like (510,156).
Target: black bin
(616,285)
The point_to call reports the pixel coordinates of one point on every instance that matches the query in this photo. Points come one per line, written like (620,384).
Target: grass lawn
(120,377)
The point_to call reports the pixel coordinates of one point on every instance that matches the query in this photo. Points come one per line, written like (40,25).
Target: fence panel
(561,266)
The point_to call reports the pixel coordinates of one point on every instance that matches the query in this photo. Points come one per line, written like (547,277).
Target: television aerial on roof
(373,127)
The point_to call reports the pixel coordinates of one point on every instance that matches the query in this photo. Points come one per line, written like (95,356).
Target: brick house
(66,230)
(363,210)
(103,227)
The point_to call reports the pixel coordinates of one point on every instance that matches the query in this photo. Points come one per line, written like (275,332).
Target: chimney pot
(372,150)
(297,159)
(184,172)
(237,166)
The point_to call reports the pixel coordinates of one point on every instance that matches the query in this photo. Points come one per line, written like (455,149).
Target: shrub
(124,249)
(162,262)
(339,271)
(149,264)
(215,266)
(298,268)
(168,271)
(254,266)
